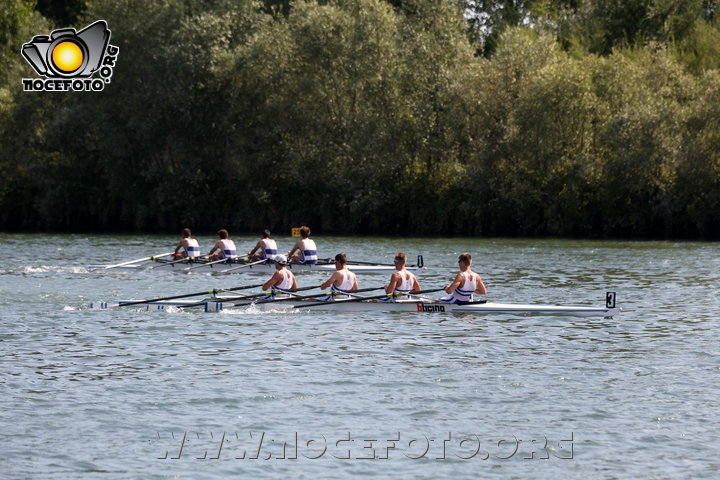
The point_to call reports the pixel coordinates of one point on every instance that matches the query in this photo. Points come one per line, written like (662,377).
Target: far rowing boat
(239,265)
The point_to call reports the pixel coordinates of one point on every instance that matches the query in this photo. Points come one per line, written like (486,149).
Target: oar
(305,297)
(184,259)
(223,300)
(247,297)
(209,263)
(227,299)
(144,259)
(243,266)
(284,299)
(377,297)
(187,295)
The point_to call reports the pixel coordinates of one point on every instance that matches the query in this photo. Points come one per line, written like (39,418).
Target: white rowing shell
(423,307)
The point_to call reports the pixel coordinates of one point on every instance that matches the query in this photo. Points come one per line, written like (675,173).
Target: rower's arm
(274,280)
(257,246)
(355,285)
(390,287)
(416,285)
(294,283)
(295,248)
(329,281)
(480,286)
(215,247)
(181,243)
(459,280)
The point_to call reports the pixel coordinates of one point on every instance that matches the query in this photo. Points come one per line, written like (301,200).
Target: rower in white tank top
(401,282)
(265,247)
(281,282)
(464,294)
(269,248)
(193,248)
(228,248)
(408,282)
(223,248)
(349,280)
(341,281)
(188,247)
(307,251)
(466,283)
(285,284)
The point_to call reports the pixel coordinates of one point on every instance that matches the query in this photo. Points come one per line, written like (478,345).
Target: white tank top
(464,293)
(228,249)
(309,252)
(348,281)
(408,281)
(269,247)
(193,248)
(286,283)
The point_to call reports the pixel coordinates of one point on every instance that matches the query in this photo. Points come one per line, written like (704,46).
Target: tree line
(413,117)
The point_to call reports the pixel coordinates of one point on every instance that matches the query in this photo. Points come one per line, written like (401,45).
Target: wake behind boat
(159,263)
(411,303)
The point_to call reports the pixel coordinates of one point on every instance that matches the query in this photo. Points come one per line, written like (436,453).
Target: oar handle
(284,299)
(376,297)
(208,263)
(244,266)
(165,264)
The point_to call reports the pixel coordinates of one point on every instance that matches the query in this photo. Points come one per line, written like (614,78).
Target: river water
(132,394)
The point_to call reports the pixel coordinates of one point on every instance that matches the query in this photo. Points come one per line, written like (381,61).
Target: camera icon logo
(67,54)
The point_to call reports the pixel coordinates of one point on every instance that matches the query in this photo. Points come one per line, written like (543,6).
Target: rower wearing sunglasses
(341,281)
(402,282)
(465,284)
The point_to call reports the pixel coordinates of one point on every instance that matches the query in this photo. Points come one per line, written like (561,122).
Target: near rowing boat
(414,304)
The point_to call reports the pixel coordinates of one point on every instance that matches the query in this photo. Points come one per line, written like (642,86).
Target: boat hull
(423,306)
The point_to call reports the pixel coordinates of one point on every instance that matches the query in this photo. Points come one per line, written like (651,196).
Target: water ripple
(103,394)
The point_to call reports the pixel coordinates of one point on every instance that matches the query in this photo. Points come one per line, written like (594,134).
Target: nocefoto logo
(68,59)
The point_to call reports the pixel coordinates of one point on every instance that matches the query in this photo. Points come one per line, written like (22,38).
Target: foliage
(582,118)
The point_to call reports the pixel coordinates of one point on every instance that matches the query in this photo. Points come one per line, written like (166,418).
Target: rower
(282,280)
(266,247)
(465,284)
(402,282)
(224,246)
(341,281)
(307,251)
(190,247)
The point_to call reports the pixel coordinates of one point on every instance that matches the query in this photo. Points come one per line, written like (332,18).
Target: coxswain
(402,282)
(224,246)
(282,280)
(266,247)
(341,281)
(188,247)
(307,251)
(465,284)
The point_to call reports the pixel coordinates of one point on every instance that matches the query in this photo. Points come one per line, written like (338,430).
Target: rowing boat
(412,304)
(245,265)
